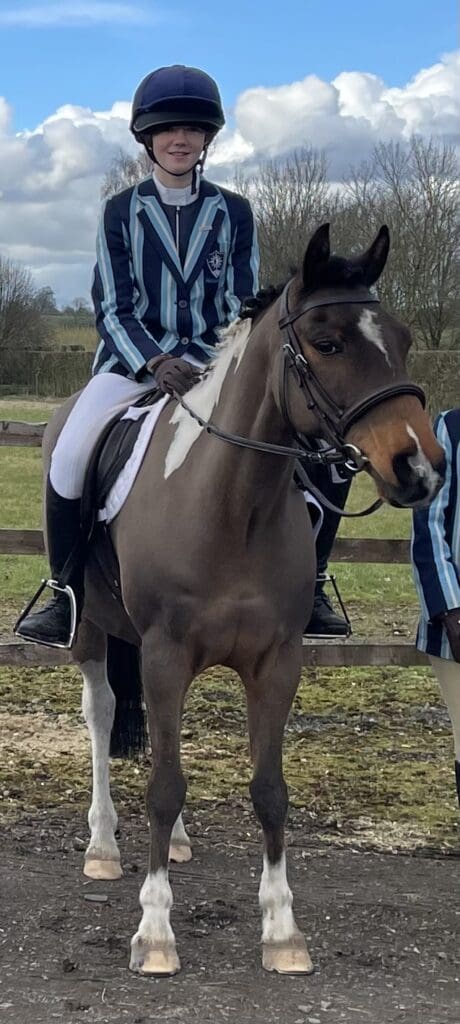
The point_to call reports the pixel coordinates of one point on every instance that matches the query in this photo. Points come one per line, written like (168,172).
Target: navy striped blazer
(436,545)
(148,302)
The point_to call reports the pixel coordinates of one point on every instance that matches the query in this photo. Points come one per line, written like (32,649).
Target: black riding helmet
(175,95)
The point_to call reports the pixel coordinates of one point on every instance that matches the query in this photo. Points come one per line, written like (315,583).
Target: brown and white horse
(217,556)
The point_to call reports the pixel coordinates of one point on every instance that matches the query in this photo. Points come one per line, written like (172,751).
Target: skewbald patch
(205,395)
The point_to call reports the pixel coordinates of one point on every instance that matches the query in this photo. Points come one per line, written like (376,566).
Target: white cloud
(50,178)
(349,115)
(77,15)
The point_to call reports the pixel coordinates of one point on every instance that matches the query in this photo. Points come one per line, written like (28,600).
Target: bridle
(335,421)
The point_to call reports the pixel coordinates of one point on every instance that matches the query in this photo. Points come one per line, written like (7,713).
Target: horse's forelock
(337,273)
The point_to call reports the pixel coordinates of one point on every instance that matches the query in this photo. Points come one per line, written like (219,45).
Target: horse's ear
(316,257)
(373,260)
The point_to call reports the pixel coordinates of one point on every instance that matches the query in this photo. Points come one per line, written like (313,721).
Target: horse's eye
(327,348)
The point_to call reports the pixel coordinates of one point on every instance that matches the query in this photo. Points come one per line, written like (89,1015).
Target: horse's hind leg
(269,697)
(102,858)
(166,675)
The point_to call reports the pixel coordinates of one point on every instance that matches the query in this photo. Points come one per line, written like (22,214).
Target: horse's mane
(255,305)
(336,273)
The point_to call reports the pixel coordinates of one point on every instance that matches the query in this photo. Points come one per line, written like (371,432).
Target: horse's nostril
(417,477)
(404,469)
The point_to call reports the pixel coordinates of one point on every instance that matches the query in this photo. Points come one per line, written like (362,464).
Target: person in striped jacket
(176,256)
(436,564)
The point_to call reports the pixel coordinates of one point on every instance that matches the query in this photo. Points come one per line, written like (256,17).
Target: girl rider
(176,255)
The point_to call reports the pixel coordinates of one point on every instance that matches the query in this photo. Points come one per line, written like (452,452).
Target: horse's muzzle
(418,481)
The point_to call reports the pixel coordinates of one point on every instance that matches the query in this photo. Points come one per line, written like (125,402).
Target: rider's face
(178,148)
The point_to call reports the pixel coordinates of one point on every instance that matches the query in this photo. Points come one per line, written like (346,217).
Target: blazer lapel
(203,233)
(156,226)
(202,239)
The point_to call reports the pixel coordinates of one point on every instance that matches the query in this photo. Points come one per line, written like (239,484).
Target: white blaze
(372,330)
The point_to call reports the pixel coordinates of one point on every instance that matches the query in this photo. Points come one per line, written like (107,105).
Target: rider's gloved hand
(173,374)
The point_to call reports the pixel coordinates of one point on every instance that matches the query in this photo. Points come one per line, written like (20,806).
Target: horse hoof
(161,960)
(180,853)
(291,957)
(103,870)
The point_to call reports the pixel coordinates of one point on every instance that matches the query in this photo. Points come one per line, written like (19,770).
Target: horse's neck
(238,397)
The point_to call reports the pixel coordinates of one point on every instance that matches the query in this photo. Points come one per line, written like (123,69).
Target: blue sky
(91,54)
(339,75)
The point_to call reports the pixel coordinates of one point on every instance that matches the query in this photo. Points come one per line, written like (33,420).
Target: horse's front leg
(180,848)
(166,677)
(102,858)
(269,697)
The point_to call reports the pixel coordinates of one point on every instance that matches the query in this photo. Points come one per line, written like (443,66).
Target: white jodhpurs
(104,396)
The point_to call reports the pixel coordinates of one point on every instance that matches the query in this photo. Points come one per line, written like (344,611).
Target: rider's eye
(327,348)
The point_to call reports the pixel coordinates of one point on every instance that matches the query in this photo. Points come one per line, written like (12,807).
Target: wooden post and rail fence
(327,654)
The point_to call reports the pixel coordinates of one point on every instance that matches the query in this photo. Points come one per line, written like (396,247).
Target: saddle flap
(110,453)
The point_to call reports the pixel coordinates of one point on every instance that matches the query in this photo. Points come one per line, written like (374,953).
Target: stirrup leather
(55,587)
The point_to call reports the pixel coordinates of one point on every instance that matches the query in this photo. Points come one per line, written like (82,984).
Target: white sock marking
(372,330)
(275,899)
(204,396)
(98,705)
(156,900)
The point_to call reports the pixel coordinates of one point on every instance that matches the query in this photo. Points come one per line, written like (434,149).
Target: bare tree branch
(21,322)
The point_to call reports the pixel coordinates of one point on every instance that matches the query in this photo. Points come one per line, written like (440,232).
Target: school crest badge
(215,262)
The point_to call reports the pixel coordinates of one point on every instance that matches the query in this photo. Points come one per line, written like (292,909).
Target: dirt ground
(382,930)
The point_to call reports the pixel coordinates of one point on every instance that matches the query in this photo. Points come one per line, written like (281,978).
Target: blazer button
(184,341)
(182,303)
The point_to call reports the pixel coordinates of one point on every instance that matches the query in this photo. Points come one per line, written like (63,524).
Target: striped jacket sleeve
(243,265)
(436,575)
(116,320)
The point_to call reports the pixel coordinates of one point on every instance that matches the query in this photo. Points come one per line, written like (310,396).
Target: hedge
(56,374)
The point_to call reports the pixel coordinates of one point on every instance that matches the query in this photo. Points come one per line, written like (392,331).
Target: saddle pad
(119,491)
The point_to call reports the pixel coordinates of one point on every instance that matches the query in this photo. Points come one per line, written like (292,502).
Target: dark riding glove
(451,623)
(173,375)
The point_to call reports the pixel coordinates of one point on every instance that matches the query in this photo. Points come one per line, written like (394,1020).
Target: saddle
(111,452)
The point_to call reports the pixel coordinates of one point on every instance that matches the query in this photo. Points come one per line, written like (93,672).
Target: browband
(330,300)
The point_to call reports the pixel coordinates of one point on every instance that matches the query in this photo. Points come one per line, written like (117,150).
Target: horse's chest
(235,626)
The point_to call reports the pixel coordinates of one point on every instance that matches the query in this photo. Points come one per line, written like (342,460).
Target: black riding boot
(457,779)
(324,621)
(52,624)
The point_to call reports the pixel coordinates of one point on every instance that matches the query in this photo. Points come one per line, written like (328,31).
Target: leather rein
(335,421)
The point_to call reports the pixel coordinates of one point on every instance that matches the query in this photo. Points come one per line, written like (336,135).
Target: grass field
(368,753)
(66,334)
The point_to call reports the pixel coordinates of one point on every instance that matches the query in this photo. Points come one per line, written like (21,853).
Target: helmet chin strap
(197,169)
